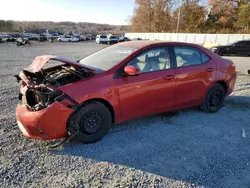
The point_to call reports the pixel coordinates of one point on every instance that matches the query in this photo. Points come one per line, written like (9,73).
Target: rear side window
(204,58)
(189,56)
(240,43)
(247,43)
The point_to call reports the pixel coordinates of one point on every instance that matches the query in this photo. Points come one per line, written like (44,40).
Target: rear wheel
(214,99)
(93,122)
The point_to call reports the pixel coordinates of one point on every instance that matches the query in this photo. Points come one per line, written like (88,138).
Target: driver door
(151,91)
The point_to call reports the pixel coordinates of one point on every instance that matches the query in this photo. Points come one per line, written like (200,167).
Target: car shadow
(187,145)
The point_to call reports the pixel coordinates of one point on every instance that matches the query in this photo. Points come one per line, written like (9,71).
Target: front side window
(152,60)
(189,56)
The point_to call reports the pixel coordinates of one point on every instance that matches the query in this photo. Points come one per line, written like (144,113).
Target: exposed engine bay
(39,89)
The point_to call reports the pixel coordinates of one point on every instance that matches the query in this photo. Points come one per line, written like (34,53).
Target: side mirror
(131,70)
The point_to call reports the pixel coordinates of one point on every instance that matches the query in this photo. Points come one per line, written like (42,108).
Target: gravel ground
(188,148)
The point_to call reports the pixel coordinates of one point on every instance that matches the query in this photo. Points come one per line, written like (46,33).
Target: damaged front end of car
(40,88)
(44,108)
(38,92)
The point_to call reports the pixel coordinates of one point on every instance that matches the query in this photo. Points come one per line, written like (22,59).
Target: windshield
(107,58)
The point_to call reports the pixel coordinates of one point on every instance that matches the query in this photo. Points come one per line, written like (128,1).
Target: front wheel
(93,121)
(214,99)
(220,53)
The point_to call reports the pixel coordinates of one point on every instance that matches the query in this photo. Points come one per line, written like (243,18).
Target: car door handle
(168,77)
(209,69)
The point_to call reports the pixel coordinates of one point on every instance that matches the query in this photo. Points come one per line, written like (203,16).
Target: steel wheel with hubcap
(91,122)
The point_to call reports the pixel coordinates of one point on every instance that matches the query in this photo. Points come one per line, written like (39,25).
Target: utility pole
(178,20)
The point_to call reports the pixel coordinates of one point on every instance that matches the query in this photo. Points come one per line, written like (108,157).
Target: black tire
(220,52)
(93,121)
(214,99)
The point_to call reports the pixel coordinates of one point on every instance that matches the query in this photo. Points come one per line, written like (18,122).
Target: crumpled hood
(40,61)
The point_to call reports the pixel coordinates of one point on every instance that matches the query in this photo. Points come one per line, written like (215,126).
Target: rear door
(152,90)
(194,73)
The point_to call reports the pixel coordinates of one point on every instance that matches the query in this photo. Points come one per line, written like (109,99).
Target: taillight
(233,67)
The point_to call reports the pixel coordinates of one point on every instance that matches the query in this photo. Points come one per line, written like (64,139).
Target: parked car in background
(124,39)
(121,82)
(4,37)
(64,38)
(89,37)
(236,48)
(136,39)
(112,39)
(13,36)
(68,38)
(30,36)
(101,39)
(55,35)
(76,38)
(83,37)
(42,38)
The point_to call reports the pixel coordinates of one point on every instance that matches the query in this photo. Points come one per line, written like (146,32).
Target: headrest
(163,55)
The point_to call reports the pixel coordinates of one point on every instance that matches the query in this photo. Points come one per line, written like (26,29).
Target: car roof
(145,43)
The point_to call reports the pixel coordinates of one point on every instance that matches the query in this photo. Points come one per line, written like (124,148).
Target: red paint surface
(51,121)
(134,96)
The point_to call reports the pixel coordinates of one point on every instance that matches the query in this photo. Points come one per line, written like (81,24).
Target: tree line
(186,16)
(60,27)
(191,16)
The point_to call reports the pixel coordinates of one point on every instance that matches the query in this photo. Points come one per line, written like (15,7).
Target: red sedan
(118,83)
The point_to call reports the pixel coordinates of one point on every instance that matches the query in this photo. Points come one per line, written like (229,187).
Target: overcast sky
(98,11)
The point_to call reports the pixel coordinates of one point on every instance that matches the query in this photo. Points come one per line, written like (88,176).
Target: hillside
(61,27)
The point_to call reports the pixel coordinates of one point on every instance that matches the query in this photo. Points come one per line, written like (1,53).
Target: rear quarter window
(204,57)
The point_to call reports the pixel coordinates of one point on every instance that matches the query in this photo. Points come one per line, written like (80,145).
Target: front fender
(90,90)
